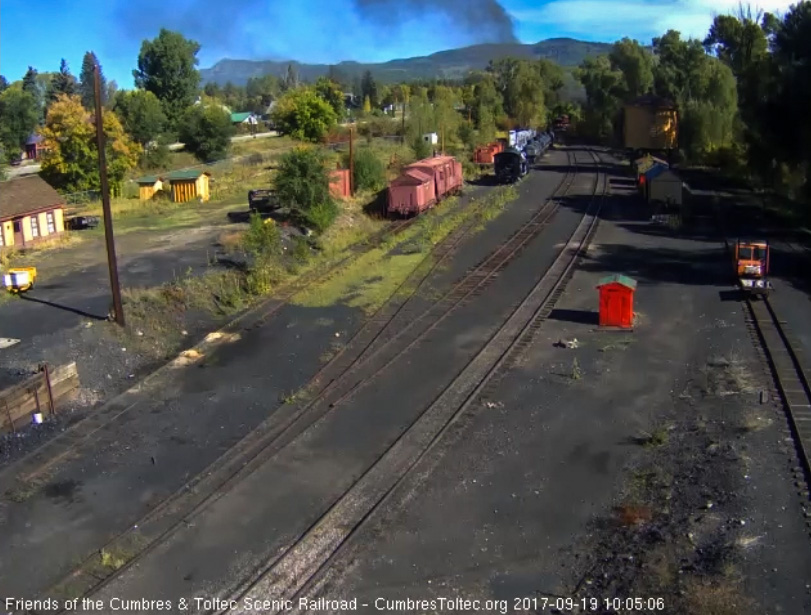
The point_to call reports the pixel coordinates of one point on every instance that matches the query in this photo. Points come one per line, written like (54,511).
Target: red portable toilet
(617,301)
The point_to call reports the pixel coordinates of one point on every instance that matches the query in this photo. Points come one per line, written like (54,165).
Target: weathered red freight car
(424,183)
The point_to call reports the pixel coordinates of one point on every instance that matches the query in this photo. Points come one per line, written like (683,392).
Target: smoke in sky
(325,31)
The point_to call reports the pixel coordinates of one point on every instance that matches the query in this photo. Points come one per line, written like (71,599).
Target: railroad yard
(477,438)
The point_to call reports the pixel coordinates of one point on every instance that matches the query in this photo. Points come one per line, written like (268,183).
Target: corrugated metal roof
(148,180)
(617,278)
(186,175)
(655,171)
(238,118)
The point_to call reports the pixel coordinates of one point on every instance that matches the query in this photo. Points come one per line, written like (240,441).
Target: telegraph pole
(105,203)
(351,161)
(404,110)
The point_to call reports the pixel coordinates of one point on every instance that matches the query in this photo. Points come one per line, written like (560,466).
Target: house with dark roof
(30,211)
(34,147)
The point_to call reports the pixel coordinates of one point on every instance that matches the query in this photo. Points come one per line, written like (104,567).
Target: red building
(617,301)
(34,147)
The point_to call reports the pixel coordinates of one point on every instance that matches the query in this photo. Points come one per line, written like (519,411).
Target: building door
(18,232)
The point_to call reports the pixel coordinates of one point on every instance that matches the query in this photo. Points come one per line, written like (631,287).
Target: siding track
(395,329)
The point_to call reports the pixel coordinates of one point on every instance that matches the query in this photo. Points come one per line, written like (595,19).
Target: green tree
(331,93)
(233,96)
(552,78)
(302,114)
(369,172)
(167,68)
(367,105)
(302,183)
(63,82)
(368,88)
(19,117)
(142,116)
(212,89)
(636,65)
(519,83)
(291,78)
(260,92)
(110,93)
(71,161)
(87,83)
(3,84)
(206,131)
(30,81)
(604,86)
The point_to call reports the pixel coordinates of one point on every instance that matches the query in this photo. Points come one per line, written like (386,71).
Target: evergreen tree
(3,84)
(86,81)
(291,79)
(62,83)
(30,81)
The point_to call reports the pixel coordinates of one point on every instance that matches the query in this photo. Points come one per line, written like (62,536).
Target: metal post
(351,161)
(105,203)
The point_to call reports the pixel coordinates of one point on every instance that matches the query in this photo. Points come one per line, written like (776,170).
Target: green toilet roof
(617,278)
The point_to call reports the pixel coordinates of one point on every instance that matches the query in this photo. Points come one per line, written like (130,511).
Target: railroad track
(286,575)
(790,375)
(380,342)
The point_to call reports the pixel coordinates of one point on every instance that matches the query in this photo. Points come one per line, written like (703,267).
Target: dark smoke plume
(480,21)
(245,29)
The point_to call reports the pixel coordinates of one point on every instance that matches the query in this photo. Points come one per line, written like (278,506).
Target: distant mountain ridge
(450,64)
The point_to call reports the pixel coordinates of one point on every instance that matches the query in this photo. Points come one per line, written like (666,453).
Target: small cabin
(664,186)
(189,185)
(431,137)
(617,301)
(148,186)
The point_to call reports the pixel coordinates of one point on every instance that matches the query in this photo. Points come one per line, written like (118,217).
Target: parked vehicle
(79,223)
(20,279)
(423,184)
(510,166)
(752,266)
(262,200)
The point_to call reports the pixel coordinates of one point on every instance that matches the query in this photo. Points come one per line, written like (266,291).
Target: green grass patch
(375,276)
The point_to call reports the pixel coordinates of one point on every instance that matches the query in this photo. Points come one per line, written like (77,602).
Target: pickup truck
(262,200)
(82,222)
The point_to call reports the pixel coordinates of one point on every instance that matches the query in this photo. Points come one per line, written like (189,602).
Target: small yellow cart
(19,279)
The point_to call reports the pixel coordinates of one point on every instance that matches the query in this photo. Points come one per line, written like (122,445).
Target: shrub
(262,238)
(320,216)
(369,172)
(302,183)
(422,149)
(206,132)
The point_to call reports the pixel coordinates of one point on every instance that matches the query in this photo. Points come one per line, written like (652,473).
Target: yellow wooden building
(30,211)
(189,185)
(148,186)
(651,123)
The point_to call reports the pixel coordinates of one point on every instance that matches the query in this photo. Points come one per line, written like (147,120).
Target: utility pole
(351,161)
(404,111)
(105,203)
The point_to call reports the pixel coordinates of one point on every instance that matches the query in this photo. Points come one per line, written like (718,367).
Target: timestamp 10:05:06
(591,604)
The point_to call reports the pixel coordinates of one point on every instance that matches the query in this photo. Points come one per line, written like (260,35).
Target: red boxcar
(424,183)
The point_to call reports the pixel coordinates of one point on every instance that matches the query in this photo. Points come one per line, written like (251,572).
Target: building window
(51,222)
(34,226)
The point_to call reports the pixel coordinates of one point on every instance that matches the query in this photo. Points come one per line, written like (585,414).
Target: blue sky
(324,31)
